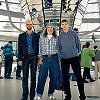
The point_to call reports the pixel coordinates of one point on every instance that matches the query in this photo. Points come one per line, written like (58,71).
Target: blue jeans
(59,79)
(50,64)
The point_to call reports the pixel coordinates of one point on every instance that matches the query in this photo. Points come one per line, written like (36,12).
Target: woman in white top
(1,59)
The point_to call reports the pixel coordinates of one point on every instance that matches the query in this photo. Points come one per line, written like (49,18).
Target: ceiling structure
(82,14)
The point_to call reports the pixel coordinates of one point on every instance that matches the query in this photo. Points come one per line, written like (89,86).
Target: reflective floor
(10,89)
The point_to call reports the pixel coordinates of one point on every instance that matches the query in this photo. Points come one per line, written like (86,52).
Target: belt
(50,55)
(30,52)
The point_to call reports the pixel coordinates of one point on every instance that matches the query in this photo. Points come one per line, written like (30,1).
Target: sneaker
(38,98)
(51,97)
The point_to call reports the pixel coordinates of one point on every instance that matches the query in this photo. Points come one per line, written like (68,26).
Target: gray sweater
(69,44)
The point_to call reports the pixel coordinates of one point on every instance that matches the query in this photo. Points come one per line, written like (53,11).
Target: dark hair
(83,46)
(10,42)
(87,44)
(1,48)
(64,20)
(95,46)
(75,29)
(54,33)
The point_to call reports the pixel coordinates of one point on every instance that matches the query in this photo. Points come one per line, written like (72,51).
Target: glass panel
(15,1)
(14,7)
(92,15)
(92,8)
(4,18)
(91,1)
(89,26)
(15,19)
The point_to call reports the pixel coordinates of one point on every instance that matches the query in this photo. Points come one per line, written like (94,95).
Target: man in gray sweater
(69,49)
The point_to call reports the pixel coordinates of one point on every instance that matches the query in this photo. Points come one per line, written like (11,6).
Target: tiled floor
(10,89)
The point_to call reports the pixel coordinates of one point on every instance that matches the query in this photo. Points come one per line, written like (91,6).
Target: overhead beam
(91,20)
(8,38)
(12,14)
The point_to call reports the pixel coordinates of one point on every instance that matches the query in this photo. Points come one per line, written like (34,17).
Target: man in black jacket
(27,57)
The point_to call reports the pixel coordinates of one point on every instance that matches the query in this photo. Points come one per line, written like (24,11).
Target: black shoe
(67,99)
(82,97)
(91,80)
(19,78)
(9,78)
(5,77)
(73,80)
(60,87)
(24,99)
(85,81)
(1,77)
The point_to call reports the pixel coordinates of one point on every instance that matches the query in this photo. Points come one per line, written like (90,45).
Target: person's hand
(40,61)
(20,63)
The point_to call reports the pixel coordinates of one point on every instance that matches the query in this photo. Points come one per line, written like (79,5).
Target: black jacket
(22,45)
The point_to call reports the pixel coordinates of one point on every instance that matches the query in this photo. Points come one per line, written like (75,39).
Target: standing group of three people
(48,49)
